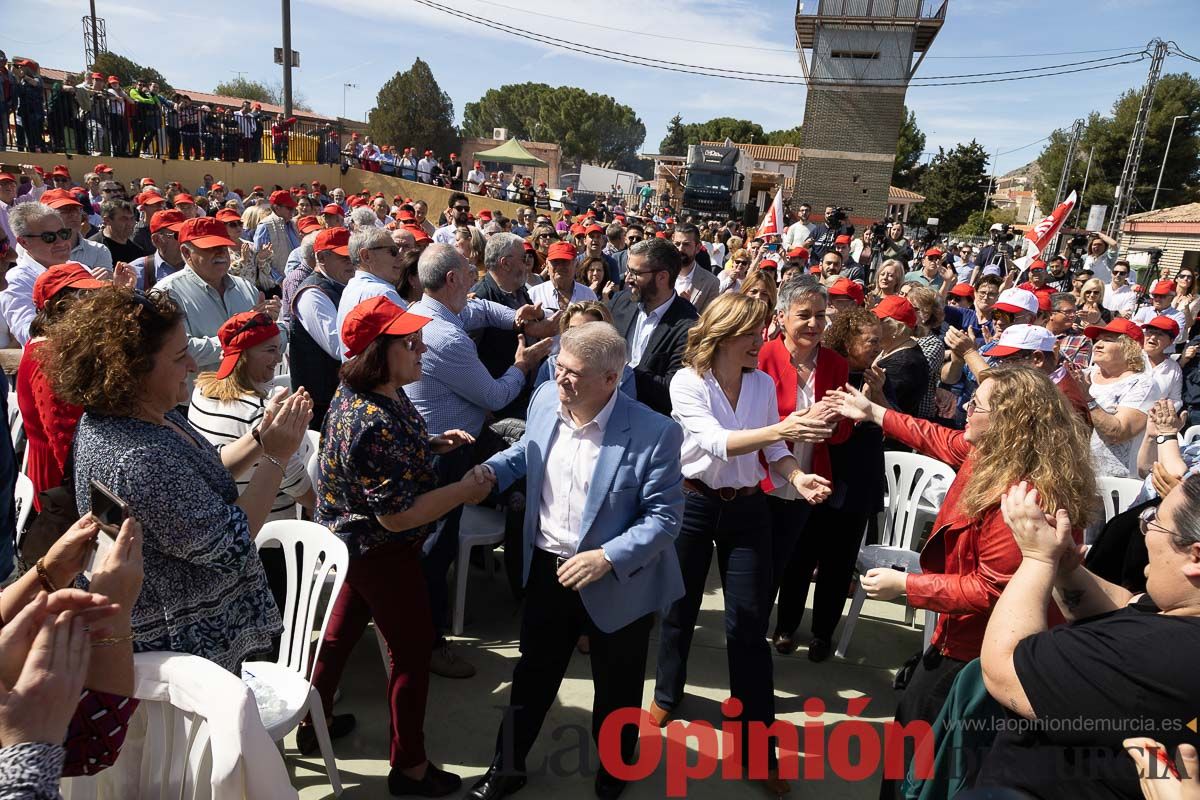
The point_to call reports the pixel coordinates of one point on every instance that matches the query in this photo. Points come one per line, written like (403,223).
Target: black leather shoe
(494,785)
(608,787)
(306,736)
(436,783)
(818,650)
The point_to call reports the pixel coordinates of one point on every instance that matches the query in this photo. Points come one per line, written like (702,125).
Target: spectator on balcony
(280,134)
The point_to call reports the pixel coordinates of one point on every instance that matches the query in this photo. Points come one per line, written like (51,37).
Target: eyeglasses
(741,261)
(411,344)
(462,208)
(392,250)
(1149,519)
(1120,272)
(49,237)
(973,407)
(1066,312)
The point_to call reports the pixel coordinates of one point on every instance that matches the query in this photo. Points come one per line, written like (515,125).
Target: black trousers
(173,141)
(922,699)
(828,542)
(553,622)
(118,131)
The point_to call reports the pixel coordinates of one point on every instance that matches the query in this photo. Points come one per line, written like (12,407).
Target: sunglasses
(49,237)
(741,261)
(1120,272)
(411,344)
(462,208)
(392,250)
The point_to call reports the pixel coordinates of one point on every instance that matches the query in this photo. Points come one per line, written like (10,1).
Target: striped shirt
(224,422)
(246,123)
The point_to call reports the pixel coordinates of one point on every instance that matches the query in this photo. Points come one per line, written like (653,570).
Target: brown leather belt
(725,493)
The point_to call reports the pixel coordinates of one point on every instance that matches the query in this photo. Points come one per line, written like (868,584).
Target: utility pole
(1128,183)
(95,34)
(1170,136)
(287,58)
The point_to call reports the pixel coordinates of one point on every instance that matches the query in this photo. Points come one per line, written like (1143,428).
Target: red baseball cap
(404,215)
(184,198)
(5,176)
(240,333)
(898,308)
(843,239)
(762,264)
(61,171)
(1164,324)
(1118,325)
(283,198)
(168,218)
(257,188)
(228,215)
(797,252)
(485,214)
(593,228)
(375,317)
(1163,287)
(561,251)
(844,287)
(149,199)
(205,232)
(100,168)
(308,224)
(59,277)
(59,198)
(335,239)
(963,290)
(419,234)
(933,252)
(333,208)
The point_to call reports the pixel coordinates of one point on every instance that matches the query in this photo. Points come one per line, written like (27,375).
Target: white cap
(1023,337)
(996,226)
(1017,300)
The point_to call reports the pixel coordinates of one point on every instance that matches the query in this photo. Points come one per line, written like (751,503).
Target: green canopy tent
(511,152)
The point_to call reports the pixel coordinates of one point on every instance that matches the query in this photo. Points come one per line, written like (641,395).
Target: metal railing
(883,9)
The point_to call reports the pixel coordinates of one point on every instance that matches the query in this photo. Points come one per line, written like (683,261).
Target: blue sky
(366,41)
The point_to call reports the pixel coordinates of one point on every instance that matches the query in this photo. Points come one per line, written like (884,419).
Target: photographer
(824,235)
(998,250)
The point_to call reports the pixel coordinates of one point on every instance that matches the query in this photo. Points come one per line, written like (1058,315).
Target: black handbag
(58,513)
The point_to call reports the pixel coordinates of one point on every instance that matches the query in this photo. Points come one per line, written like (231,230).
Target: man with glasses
(45,240)
(166,258)
(457,213)
(316,344)
(1162,293)
(524,223)
(1119,296)
(653,319)
(378,267)
(93,255)
(1073,347)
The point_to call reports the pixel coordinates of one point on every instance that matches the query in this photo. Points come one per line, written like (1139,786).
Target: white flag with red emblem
(1040,235)
(772,221)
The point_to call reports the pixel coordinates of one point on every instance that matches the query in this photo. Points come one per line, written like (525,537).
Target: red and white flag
(772,221)
(1040,235)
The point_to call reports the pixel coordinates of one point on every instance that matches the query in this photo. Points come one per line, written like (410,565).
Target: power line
(1022,147)
(758,49)
(757,77)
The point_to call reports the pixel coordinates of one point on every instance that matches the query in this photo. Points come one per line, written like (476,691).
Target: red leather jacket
(967,561)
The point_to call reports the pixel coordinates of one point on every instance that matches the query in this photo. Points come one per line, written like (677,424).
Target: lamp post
(345,87)
(1166,151)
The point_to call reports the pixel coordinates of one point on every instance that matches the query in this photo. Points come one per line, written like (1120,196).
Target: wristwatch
(1164,438)
(1092,405)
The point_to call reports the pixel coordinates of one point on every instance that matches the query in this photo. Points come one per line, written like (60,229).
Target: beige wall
(244,176)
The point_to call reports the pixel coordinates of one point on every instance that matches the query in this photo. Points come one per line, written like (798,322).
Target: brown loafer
(775,785)
(658,714)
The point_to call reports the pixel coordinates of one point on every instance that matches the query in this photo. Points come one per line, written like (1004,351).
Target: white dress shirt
(546,294)
(1119,301)
(643,326)
(318,316)
(1167,378)
(701,408)
(16,301)
(570,463)
(1146,314)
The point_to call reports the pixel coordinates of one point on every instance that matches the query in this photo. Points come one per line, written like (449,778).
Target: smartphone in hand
(110,512)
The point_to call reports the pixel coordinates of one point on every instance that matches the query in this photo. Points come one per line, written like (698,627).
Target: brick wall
(858,121)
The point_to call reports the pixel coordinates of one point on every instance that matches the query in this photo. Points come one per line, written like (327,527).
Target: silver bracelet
(274,461)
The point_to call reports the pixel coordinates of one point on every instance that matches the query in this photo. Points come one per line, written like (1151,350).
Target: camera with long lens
(879,232)
(1078,245)
(837,216)
(1002,236)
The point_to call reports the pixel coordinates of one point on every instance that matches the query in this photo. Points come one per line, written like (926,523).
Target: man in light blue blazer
(604,505)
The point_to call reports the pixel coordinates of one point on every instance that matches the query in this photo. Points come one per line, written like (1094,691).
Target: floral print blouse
(375,460)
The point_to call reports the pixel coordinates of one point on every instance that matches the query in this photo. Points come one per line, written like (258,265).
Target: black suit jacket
(663,356)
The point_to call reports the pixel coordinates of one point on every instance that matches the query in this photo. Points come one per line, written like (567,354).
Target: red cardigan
(832,373)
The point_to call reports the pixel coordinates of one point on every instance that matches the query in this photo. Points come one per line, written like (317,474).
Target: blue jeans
(740,532)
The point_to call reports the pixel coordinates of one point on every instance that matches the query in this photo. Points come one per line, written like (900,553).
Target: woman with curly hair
(1122,393)
(124,358)
(1019,428)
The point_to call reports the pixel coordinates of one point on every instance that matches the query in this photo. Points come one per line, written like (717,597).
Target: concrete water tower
(860,56)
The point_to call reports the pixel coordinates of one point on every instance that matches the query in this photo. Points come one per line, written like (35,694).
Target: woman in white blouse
(729,415)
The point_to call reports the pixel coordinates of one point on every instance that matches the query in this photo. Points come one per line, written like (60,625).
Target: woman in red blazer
(803,372)
(1019,428)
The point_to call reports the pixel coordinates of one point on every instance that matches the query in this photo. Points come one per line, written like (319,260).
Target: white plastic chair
(1117,494)
(908,475)
(16,428)
(284,689)
(1190,435)
(168,750)
(312,440)
(23,502)
(480,527)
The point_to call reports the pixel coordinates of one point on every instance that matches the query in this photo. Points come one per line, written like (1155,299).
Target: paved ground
(461,723)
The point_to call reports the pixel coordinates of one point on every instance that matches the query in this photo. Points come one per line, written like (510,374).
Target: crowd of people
(640,396)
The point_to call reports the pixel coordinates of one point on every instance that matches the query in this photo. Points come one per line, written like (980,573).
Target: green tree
(675,142)
(588,127)
(411,110)
(954,184)
(129,71)
(741,131)
(906,172)
(245,89)
(977,223)
(792,136)
(1106,139)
